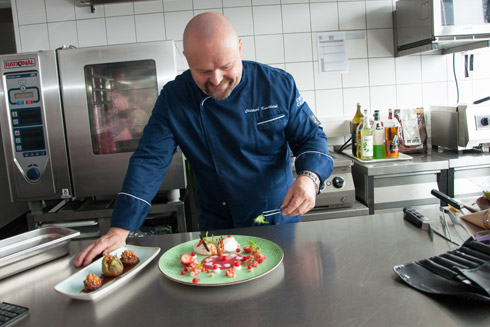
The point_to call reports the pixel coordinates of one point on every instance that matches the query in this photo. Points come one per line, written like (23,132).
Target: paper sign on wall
(332,55)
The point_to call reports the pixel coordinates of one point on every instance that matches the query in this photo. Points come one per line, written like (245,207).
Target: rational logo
(28,62)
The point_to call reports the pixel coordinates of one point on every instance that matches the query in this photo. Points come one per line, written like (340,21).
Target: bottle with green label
(366,138)
(379,137)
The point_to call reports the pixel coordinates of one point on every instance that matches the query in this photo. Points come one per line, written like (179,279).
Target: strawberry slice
(259,257)
(248,249)
(186,259)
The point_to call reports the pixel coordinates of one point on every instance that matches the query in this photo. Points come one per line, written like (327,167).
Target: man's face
(216,68)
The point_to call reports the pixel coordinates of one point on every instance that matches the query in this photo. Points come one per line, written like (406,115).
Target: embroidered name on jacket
(272,106)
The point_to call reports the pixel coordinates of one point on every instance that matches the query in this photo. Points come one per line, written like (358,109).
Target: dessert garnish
(260,220)
(204,243)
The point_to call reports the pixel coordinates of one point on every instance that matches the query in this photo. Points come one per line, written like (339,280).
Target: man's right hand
(114,239)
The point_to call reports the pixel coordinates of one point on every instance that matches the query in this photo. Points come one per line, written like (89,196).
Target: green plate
(169,263)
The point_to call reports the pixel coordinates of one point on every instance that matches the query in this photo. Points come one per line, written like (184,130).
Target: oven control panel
(26,121)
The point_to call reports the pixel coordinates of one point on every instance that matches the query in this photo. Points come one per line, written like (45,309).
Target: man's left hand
(300,197)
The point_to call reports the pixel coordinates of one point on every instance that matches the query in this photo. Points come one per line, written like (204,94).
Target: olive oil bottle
(358,117)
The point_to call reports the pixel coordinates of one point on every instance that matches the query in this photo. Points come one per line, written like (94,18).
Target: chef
(236,122)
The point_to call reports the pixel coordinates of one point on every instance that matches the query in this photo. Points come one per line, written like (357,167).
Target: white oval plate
(73,285)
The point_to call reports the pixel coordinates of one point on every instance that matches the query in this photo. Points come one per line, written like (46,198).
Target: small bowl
(483,203)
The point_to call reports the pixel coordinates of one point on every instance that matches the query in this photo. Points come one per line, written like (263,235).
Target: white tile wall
(175,5)
(328,103)
(120,30)
(281,33)
(148,7)
(358,74)
(59,10)
(242,19)
(118,9)
(34,37)
(30,12)
(408,69)
(297,47)
(355,95)
(382,98)
(379,14)
(62,33)
(175,23)
(326,81)
(236,3)
(382,71)
(380,43)
(303,74)
(409,95)
(352,15)
(150,27)
(324,17)
(248,48)
(207,4)
(267,20)
(91,32)
(269,48)
(296,18)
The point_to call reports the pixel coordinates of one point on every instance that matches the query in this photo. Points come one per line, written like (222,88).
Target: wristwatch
(313,176)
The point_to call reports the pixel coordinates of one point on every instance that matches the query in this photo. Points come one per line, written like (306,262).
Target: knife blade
(420,221)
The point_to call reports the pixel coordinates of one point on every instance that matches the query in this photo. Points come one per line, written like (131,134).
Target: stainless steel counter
(394,184)
(336,272)
(468,172)
(398,183)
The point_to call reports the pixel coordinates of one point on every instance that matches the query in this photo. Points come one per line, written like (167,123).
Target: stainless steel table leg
(181,223)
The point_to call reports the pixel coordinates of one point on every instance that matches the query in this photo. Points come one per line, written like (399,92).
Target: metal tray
(33,248)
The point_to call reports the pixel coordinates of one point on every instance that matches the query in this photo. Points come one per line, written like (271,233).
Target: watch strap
(313,176)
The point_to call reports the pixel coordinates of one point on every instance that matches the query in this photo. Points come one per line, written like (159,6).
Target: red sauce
(227,259)
(106,280)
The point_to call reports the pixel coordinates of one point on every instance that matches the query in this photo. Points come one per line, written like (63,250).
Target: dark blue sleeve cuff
(129,212)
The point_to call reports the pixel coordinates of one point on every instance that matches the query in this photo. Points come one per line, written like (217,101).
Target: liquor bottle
(353,128)
(366,138)
(379,137)
(392,136)
(358,138)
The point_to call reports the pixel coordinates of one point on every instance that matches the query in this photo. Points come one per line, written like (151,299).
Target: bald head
(214,53)
(209,27)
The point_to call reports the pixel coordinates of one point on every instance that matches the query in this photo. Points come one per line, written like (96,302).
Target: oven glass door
(120,99)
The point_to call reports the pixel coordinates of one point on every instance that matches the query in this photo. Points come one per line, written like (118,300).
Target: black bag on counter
(463,272)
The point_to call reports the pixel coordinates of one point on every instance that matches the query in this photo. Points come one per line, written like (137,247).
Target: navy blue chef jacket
(238,149)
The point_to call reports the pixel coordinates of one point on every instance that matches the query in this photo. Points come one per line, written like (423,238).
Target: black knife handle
(447,199)
(414,217)
(459,260)
(437,268)
(479,247)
